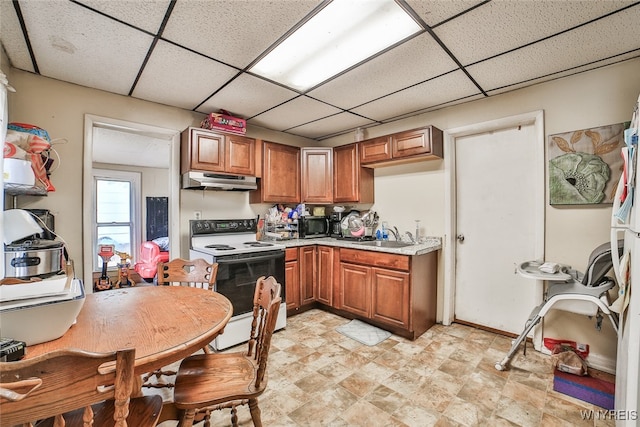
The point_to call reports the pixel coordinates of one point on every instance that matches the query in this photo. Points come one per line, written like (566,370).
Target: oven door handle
(221,260)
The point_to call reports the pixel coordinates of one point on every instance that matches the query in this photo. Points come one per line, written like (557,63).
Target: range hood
(211,181)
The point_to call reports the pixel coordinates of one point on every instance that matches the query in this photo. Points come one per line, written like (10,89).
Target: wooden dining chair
(208,382)
(74,388)
(196,273)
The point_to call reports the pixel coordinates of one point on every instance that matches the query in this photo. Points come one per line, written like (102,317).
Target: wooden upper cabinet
(280,182)
(317,175)
(211,151)
(402,147)
(240,155)
(351,182)
(418,141)
(201,150)
(375,150)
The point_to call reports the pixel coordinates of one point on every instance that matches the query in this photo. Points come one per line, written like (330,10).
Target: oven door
(237,276)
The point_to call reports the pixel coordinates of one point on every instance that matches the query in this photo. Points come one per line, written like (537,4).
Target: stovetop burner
(220,247)
(257,244)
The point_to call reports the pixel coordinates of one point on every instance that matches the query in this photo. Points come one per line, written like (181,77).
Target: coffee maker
(336,223)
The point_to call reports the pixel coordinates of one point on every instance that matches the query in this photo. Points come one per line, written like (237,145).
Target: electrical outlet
(197,214)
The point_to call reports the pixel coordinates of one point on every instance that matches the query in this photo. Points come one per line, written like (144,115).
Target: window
(116,213)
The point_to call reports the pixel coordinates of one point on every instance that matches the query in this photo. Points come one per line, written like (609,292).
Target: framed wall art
(585,165)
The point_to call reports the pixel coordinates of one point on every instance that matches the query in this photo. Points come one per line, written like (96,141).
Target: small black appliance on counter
(336,223)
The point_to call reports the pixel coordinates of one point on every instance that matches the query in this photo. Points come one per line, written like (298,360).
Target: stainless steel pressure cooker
(33,258)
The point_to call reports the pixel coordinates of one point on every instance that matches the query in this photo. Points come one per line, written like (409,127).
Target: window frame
(135,204)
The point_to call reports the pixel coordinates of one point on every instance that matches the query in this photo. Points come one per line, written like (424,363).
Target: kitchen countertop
(431,244)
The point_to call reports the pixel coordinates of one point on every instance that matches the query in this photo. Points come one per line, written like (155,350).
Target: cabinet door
(390,297)
(308,274)
(317,175)
(375,150)
(351,183)
(292,284)
(207,151)
(281,173)
(240,157)
(355,289)
(325,275)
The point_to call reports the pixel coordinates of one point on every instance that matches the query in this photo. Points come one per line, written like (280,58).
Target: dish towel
(621,303)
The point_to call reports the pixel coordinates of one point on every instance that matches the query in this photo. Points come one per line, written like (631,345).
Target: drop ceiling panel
(234,32)
(340,123)
(12,38)
(184,77)
(296,112)
(499,26)
(439,106)
(434,92)
(434,12)
(415,61)
(84,48)
(583,45)
(144,14)
(247,96)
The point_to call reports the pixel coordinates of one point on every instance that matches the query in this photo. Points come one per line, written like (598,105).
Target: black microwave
(313,226)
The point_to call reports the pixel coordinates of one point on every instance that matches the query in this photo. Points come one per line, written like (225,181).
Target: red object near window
(150,256)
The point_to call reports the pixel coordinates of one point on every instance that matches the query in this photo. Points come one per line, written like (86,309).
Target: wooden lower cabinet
(390,296)
(394,292)
(325,275)
(292,280)
(355,289)
(309,277)
(308,274)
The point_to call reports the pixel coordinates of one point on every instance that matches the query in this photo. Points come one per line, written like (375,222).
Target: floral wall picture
(585,165)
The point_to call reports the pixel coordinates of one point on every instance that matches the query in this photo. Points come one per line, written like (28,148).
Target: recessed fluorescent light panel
(341,35)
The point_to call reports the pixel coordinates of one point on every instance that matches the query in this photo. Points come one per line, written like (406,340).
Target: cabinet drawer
(291,254)
(378,259)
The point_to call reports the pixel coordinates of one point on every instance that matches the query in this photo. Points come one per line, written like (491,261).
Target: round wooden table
(163,323)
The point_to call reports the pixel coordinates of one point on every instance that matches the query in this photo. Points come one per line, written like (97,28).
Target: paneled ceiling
(193,54)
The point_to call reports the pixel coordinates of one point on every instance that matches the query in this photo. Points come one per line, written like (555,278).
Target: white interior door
(499,210)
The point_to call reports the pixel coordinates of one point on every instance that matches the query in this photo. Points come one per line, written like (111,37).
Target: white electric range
(241,259)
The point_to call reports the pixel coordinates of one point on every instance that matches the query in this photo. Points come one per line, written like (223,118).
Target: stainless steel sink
(386,244)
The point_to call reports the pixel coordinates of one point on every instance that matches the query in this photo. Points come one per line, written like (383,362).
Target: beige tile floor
(318,377)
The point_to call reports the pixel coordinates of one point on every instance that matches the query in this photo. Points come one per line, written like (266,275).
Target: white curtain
(4,117)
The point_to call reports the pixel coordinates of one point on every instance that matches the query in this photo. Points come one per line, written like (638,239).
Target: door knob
(460,238)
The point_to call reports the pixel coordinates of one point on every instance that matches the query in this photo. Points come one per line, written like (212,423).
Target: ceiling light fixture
(342,34)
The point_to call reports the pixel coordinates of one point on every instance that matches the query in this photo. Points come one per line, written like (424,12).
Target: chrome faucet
(410,236)
(396,234)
